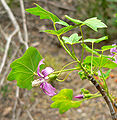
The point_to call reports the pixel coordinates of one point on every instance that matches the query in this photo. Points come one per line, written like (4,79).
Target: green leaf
(78,22)
(63,101)
(44,14)
(73,39)
(96,40)
(59,32)
(106,75)
(23,68)
(65,29)
(90,50)
(61,22)
(104,48)
(50,32)
(94,23)
(101,62)
(107,47)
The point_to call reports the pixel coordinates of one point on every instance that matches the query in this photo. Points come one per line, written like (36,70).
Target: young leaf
(78,22)
(44,14)
(59,32)
(107,47)
(90,50)
(65,29)
(63,101)
(73,39)
(96,40)
(94,23)
(50,32)
(23,68)
(101,62)
(106,75)
(61,22)
(104,48)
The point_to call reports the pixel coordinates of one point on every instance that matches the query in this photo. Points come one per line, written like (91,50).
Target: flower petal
(38,69)
(48,89)
(47,71)
(112,50)
(37,82)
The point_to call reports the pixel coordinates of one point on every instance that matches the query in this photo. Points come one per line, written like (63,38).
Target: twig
(16,102)
(8,66)
(30,116)
(24,21)
(9,38)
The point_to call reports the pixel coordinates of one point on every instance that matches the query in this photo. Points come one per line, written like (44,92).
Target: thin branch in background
(24,21)
(8,67)
(8,39)
(29,114)
(15,105)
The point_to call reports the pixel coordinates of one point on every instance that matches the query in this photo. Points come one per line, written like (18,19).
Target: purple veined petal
(48,89)
(47,71)
(113,50)
(38,69)
(79,96)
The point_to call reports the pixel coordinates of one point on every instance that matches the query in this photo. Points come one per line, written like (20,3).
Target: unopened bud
(52,76)
(88,95)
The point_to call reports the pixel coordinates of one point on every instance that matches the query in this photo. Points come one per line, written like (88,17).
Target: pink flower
(45,86)
(113,51)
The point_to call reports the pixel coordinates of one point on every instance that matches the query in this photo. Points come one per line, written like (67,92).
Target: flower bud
(79,96)
(88,95)
(52,76)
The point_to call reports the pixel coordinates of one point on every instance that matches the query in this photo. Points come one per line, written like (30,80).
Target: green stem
(107,91)
(65,70)
(82,43)
(62,43)
(73,52)
(92,59)
(65,77)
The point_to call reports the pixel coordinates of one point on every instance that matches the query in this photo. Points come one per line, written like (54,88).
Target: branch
(103,93)
(106,98)
(24,21)
(8,39)
(8,66)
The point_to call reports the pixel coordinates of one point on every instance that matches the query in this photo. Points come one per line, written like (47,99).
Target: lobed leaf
(63,101)
(93,23)
(23,68)
(73,39)
(44,14)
